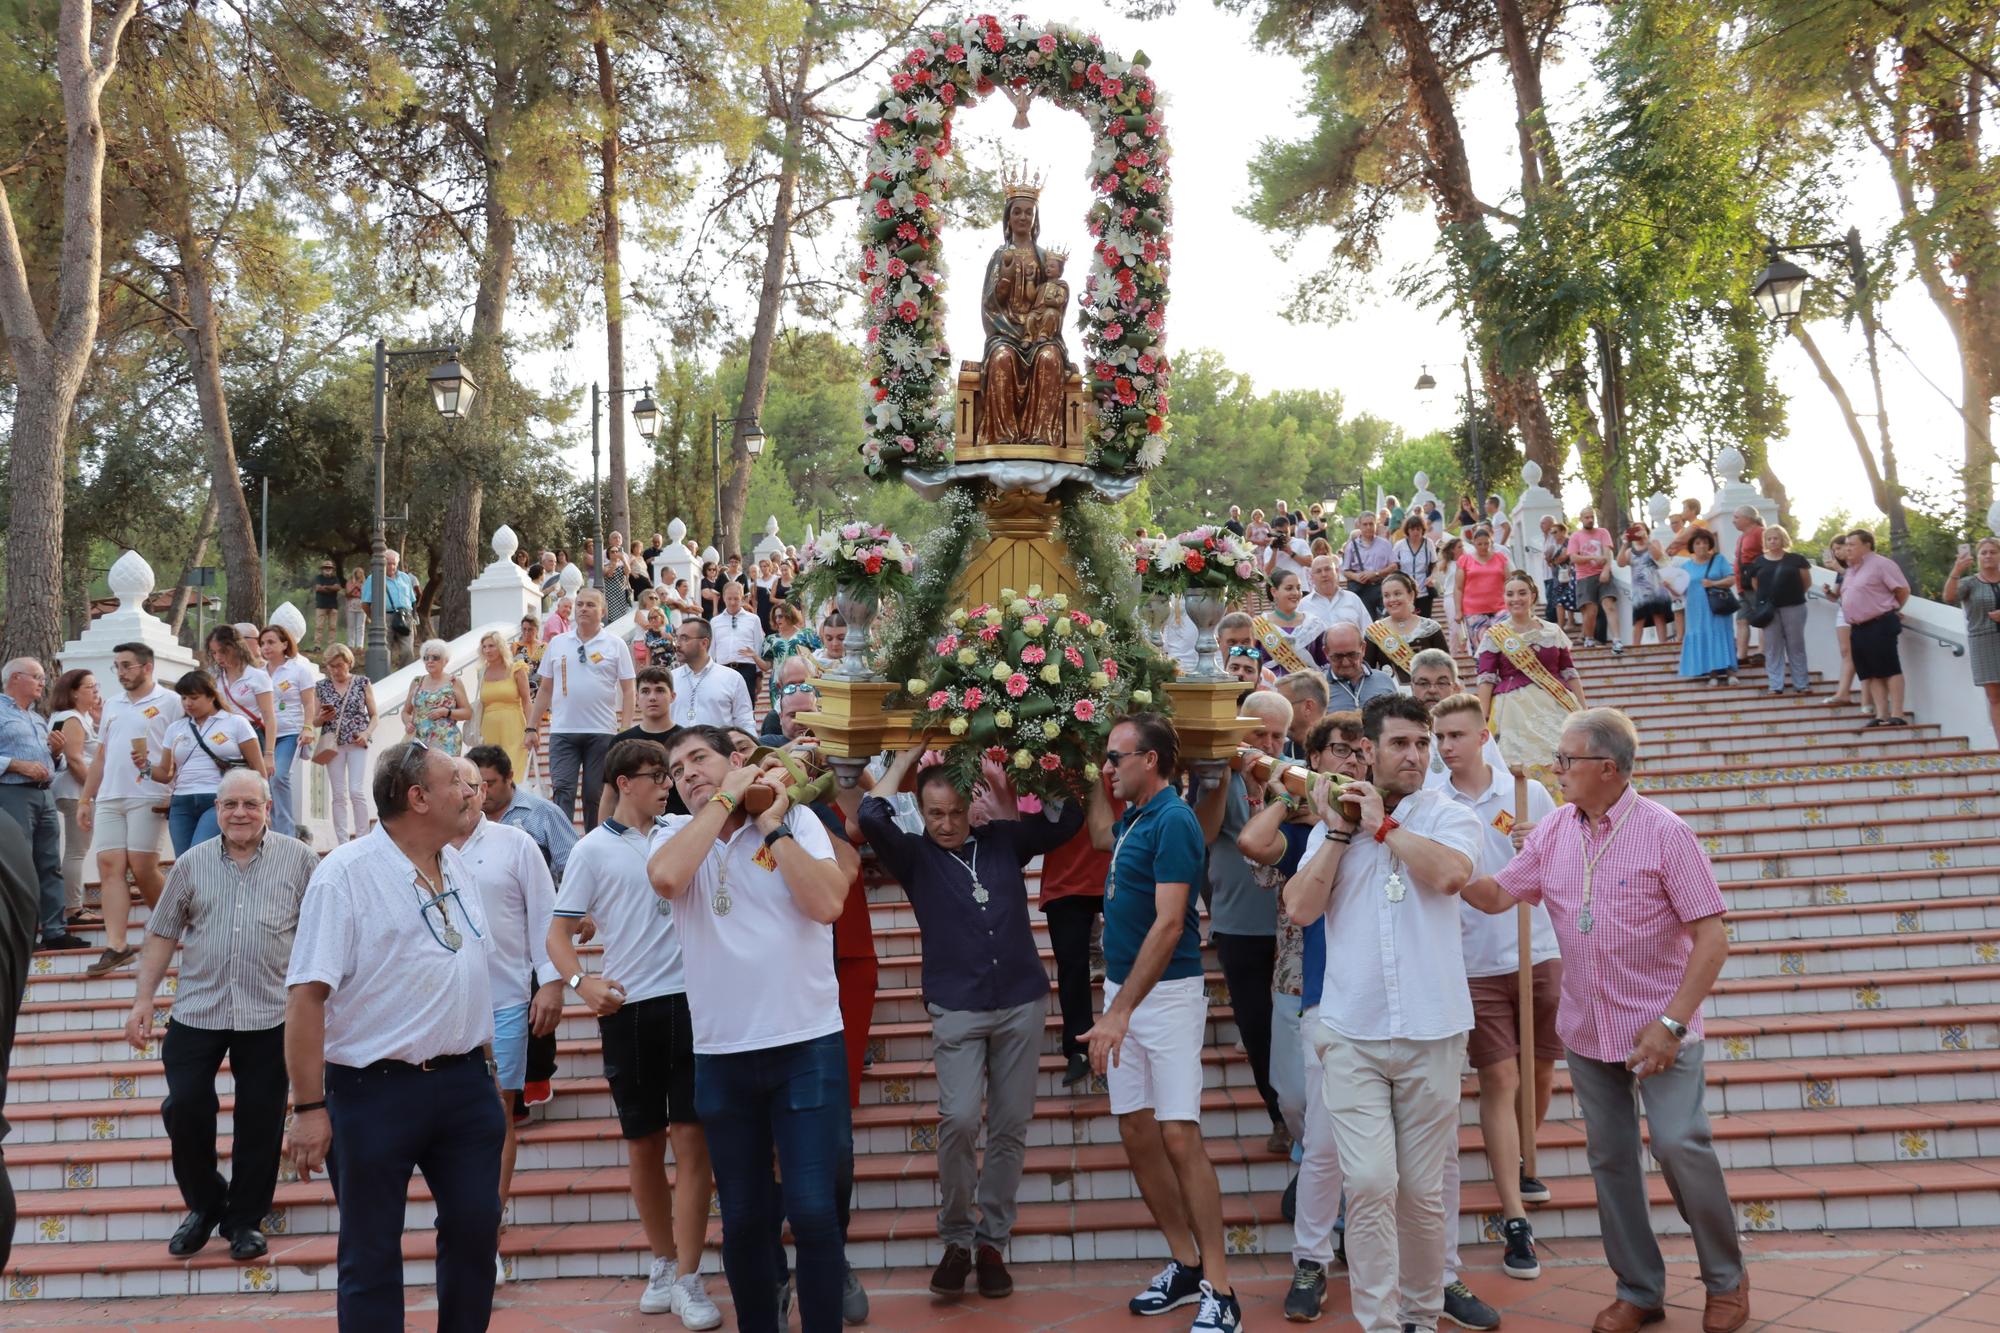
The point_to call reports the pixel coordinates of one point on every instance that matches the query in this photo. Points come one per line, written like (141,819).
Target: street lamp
(1780,289)
(1426,383)
(452,390)
(753,444)
(646,416)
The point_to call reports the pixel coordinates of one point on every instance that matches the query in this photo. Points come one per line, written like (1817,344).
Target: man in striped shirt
(1638,916)
(232,904)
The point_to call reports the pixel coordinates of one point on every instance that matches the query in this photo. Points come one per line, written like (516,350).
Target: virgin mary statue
(1021,300)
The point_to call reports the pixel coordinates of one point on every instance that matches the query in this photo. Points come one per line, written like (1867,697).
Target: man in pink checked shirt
(1639,918)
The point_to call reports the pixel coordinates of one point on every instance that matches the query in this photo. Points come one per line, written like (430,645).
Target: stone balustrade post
(132,582)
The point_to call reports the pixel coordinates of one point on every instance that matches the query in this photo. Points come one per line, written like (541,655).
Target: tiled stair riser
(1967,781)
(1805,834)
(1832,812)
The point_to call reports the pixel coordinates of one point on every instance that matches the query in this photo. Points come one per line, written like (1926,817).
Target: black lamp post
(753,441)
(646,416)
(1426,383)
(452,391)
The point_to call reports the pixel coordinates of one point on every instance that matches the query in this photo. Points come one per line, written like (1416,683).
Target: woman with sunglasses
(790,636)
(437,703)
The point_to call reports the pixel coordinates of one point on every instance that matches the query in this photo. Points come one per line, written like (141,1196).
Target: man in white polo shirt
(641,1005)
(518,896)
(706,693)
(587,692)
(1394,1010)
(754,900)
(738,636)
(121,807)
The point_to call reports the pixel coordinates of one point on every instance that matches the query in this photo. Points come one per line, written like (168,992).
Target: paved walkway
(1852,1282)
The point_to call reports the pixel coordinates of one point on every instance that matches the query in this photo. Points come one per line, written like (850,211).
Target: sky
(1229,286)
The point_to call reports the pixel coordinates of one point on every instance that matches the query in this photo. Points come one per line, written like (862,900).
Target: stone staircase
(1853,1043)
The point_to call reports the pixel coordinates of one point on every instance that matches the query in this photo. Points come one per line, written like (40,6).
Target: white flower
(1152,452)
(1171,555)
(930,111)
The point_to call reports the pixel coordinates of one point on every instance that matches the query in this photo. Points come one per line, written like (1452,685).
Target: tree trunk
(736,474)
(204,528)
(1530,117)
(1775,489)
(49,363)
(620,517)
(1887,499)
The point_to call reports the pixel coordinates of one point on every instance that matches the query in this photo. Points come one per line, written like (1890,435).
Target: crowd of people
(401,994)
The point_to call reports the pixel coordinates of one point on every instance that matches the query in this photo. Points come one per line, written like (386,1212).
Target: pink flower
(923,155)
(897,268)
(1051,762)
(920,199)
(907,312)
(974,696)
(995,42)
(1047,43)
(947,645)
(1113,332)
(1084,710)
(1073,657)
(1111,668)
(1244,569)
(1017,685)
(1111,88)
(901,82)
(954,53)
(1095,73)
(1027,802)
(884,209)
(948,94)
(1147,365)
(1032,655)
(938,700)
(883,129)
(989,633)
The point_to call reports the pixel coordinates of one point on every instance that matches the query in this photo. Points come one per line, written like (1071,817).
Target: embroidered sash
(1521,653)
(1278,645)
(1393,645)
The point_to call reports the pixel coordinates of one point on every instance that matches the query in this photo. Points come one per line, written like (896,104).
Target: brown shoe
(994,1280)
(1727,1311)
(948,1278)
(1621,1316)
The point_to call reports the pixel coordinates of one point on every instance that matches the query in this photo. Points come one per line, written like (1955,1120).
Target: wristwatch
(303,1107)
(776,835)
(575,981)
(1675,1026)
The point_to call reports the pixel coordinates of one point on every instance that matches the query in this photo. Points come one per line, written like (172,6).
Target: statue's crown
(1060,252)
(1016,182)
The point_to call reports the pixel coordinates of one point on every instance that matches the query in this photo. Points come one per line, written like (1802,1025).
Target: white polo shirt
(587,675)
(399,991)
(1492,942)
(240,695)
(1440,776)
(759,971)
(195,771)
(734,635)
(125,720)
(1396,969)
(714,696)
(1343,608)
(518,896)
(606,880)
(291,683)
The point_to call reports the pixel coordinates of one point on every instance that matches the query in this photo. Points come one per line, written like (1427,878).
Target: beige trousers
(1394,1107)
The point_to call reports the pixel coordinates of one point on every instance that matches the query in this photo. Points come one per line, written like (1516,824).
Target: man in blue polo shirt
(1148,1041)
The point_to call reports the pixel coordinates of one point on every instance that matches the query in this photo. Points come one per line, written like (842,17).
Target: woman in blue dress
(1710,646)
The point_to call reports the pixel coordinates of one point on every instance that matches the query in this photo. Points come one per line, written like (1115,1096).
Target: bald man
(1350,682)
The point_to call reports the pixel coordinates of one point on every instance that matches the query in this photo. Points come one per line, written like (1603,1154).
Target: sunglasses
(1245,650)
(798,687)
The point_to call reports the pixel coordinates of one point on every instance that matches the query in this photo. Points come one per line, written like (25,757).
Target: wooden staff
(802,785)
(1295,778)
(1526,980)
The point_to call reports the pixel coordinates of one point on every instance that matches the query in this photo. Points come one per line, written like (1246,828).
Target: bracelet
(777,835)
(1389,825)
(725,800)
(1340,837)
(303,1107)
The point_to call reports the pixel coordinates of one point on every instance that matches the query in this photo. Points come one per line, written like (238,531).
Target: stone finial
(505,543)
(1423,480)
(677,531)
(771,526)
(1656,508)
(1531,474)
(132,579)
(570,579)
(1729,466)
(287,618)
(709,556)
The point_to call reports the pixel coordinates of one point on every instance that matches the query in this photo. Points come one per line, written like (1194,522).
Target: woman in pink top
(1871,598)
(1482,577)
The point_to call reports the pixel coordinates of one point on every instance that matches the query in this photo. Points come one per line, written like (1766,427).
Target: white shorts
(127,824)
(1159,1064)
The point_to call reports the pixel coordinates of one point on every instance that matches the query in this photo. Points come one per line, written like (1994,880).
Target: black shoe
(1171,1288)
(991,1271)
(1532,1190)
(1467,1310)
(63,941)
(1078,1070)
(1520,1259)
(1288,1206)
(248,1243)
(1218,1313)
(948,1278)
(1302,1302)
(193,1234)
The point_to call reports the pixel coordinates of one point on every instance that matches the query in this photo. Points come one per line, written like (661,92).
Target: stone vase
(858,606)
(1206,607)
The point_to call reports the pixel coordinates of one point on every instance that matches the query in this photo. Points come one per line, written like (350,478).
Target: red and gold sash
(1516,649)
(1278,645)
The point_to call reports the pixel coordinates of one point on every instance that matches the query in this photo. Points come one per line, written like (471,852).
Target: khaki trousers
(1394,1107)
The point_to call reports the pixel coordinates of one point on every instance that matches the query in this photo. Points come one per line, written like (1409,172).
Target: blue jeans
(387,1123)
(573,754)
(191,819)
(284,756)
(792,1099)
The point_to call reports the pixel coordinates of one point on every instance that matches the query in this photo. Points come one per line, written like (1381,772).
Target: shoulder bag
(1721,601)
(222,765)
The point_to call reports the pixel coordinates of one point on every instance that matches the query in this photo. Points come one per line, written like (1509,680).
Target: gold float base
(1205,719)
(854,720)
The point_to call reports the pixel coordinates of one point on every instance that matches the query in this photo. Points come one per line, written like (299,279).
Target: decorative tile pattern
(1871,835)
(1867,997)
(1968,805)
(1736,1048)
(1243,1239)
(1100,1084)
(43,965)
(875,1050)
(277,1222)
(1712,843)
(1815,815)
(714,1204)
(23,1286)
(174,984)
(125,1086)
(1792,964)
(1822,1093)
(1760,797)
(1218,992)
(1729,931)
(104,1127)
(80,1176)
(898,1090)
(257,1277)
(923,1138)
(1914,1145)
(1490,1225)
(1906,923)
(1904,786)
(287,1173)
(1771,867)
(52,1229)
(1760,1215)
(1835,893)
(1986,951)
(1941,858)
(507,1266)
(1954,1037)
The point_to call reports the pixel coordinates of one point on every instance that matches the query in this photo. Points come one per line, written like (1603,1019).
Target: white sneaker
(499,1271)
(658,1297)
(692,1304)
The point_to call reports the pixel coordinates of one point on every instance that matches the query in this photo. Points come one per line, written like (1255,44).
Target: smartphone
(1964,550)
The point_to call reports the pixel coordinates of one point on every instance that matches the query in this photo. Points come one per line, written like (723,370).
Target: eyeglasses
(1354,656)
(580,652)
(651,775)
(411,765)
(1339,752)
(436,912)
(1565,762)
(797,687)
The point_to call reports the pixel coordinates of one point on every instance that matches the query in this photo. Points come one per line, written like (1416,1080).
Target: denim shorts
(510,1046)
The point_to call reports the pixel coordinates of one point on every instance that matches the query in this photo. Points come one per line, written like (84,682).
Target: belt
(26,786)
(433,1064)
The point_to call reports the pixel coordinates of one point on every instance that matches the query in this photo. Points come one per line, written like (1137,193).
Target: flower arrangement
(1027,683)
(1122,303)
(860,557)
(1204,559)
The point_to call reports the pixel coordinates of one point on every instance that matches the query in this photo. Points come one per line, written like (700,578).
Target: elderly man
(793,673)
(1307,694)
(707,693)
(1328,602)
(587,691)
(1748,521)
(738,635)
(400,599)
(1350,682)
(794,700)
(1644,957)
(1366,558)
(988,998)
(29,758)
(389,1041)
(1433,679)
(232,904)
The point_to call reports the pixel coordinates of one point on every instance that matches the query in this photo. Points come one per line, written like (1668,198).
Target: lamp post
(1426,383)
(753,442)
(646,416)
(452,391)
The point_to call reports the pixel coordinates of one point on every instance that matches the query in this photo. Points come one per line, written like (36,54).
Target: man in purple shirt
(1365,559)
(988,998)
(1638,916)
(1871,598)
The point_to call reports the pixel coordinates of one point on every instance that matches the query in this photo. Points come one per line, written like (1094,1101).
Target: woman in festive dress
(1401,634)
(1710,645)
(789,635)
(1285,632)
(503,700)
(1528,686)
(437,702)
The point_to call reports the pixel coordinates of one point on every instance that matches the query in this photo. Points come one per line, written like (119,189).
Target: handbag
(1721,601)
(327,745)
(221,764)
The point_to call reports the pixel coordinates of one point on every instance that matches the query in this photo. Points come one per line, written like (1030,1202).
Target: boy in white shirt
(587,692)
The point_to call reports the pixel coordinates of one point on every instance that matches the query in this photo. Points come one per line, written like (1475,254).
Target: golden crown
(1057,252)
(1017,183)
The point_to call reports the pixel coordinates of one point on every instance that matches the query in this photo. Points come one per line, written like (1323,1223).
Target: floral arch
(1122,302)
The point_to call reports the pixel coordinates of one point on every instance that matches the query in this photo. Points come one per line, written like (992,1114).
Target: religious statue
(1025,367)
